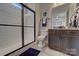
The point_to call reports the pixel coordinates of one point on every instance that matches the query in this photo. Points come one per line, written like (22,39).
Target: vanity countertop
(65,29)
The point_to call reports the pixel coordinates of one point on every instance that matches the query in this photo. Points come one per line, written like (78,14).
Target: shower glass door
(17,27)
(28,26)
(10,27)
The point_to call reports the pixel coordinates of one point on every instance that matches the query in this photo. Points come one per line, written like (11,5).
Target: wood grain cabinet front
(63,40)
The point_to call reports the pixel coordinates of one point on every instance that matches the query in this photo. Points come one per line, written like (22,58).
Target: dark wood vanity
(64,40)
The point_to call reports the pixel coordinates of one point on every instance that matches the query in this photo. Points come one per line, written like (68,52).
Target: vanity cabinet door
(53,40)
(73,45)
(56,42)
(64,44)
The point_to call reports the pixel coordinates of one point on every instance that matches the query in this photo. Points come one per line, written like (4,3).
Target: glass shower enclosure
(17,27)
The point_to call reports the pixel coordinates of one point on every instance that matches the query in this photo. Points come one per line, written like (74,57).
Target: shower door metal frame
(22,21)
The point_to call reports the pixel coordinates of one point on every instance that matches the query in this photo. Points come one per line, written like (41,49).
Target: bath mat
(30,52)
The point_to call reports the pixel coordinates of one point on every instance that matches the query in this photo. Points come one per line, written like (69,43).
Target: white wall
(37,18)
(31,5)
(45,7)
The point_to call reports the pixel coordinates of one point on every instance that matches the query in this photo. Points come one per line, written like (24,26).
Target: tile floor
(49,52)
(44,51)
